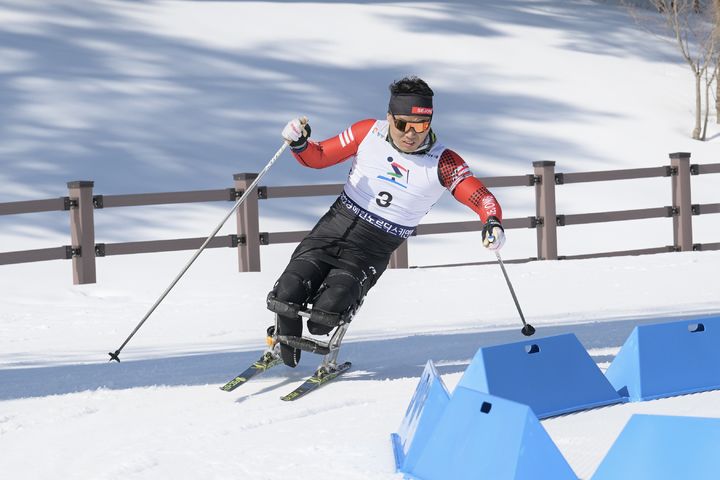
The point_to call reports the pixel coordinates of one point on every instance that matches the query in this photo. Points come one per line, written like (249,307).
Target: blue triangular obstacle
(552,375)
(481,436)
(427,405)
(655,447)
(666,359)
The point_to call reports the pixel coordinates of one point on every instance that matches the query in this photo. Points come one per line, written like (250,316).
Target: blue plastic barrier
(664,448)
(482,436)
(422,415)
(552,375)
(666,359)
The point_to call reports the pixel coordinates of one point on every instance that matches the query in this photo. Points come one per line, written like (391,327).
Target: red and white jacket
(398,187)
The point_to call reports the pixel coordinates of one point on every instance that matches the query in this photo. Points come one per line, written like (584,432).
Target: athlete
(399,171)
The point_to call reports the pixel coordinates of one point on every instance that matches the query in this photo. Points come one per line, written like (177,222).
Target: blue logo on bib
(399,176)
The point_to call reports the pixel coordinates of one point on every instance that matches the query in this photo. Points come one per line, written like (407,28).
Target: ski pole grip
(303,122)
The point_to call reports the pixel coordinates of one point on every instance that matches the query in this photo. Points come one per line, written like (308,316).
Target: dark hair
(411,84)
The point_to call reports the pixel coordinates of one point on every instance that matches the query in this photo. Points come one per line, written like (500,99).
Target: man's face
(408,140)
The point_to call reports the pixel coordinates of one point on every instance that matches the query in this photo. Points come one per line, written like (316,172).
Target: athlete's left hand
(493,234)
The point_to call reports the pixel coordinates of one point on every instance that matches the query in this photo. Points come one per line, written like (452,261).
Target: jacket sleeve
(335,149)
(455,175)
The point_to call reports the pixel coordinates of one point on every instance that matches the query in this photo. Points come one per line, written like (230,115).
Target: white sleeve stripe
(455,184)
(465,174)
(346,137)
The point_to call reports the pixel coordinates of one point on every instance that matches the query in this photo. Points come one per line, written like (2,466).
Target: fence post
(82,231)
(681,203)
(399,258)
(248,224)
(545,210)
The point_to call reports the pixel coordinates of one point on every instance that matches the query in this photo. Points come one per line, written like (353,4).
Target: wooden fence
(81,204)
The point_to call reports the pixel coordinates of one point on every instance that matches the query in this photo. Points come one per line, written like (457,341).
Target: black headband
(410,104)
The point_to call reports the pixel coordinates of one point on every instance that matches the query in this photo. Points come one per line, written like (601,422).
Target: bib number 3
(383,199)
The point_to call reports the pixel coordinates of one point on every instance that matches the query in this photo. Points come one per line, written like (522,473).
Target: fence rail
(616,216)
(603,176)
(81,205)
(39,255)
(143,199)
(35,206)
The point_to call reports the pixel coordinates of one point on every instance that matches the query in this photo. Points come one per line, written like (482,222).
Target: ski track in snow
(300,413)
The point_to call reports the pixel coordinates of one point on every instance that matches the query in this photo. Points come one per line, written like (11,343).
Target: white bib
(398,187)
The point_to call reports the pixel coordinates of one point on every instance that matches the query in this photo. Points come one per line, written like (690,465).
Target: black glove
(493,234)
(296,132)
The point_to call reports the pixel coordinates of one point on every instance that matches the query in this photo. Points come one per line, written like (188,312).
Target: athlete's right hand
(296,132)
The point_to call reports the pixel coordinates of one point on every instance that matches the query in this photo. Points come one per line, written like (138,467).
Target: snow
(179,95)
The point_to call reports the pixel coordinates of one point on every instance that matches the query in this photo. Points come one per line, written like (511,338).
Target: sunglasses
(405,126)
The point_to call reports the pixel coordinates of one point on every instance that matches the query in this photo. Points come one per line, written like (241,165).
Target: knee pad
(333,307)
(287,296)
(337,298)
(291,287)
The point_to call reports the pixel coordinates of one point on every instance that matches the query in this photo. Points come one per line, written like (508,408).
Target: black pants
(332,269)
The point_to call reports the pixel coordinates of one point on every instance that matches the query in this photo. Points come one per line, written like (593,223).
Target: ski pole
(116,355)
(527,329)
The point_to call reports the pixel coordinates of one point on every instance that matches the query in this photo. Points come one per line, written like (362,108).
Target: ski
(266,362)
(322,376)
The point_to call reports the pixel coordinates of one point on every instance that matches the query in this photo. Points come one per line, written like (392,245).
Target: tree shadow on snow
(94,95)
